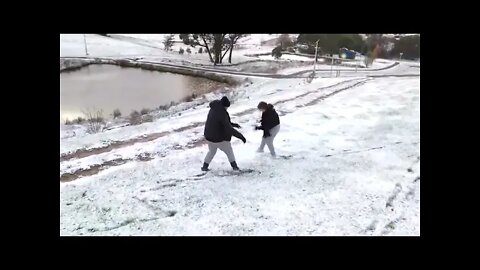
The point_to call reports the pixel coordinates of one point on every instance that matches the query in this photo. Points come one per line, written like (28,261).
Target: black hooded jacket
(269,120)
(218,127)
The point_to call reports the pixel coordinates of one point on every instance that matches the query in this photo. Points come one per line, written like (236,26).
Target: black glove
(243,139)
(258,128)
(235,125)
(266,134)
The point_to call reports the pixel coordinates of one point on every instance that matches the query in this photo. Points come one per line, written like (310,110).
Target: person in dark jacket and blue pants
(270,124)
(219,131)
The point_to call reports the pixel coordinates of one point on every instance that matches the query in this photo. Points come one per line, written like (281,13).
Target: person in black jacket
(219,131)
(270,126)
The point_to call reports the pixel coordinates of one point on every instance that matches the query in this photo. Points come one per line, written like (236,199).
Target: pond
(110,87)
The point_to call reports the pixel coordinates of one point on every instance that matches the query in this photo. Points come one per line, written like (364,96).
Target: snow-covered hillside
(349,156)
(348,159)
(151,46)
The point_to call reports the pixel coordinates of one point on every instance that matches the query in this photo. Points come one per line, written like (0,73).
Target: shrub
(181,51)
(135,118)
(116,113)
(163,107)
(168,42)
(200,50)
(277,52)
(189,51)
(147,118)
(188,99)
(79,120)
(95,121)
(144,111)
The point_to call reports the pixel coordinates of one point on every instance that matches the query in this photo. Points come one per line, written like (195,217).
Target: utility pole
(315,61)
(331,67)
(85,40)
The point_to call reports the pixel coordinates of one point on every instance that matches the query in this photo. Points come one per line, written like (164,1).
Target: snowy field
(286,57)
(348,175)
(348,164)
(150,47)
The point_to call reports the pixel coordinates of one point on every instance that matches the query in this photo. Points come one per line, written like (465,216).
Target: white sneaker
(259,151)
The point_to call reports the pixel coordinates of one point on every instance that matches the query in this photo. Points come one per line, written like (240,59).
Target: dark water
(109,87)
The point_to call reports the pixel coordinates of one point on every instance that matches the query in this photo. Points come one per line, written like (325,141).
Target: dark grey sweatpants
(224,146)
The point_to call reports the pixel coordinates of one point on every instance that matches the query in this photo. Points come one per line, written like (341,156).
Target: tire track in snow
(396,190)
(183,182)
(398,206)
(349,151)
(83,152)
(410,169)
(392,214)
(96,168)
(249,111)
(158,212)
(121,224)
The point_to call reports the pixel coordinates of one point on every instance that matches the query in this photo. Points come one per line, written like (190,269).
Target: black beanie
(225,102)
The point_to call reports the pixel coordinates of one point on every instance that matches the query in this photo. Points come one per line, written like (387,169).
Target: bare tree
(233,38)
(217,47)
(95,120)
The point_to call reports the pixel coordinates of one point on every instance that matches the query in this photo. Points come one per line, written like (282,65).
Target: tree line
(217,46)
(383,46)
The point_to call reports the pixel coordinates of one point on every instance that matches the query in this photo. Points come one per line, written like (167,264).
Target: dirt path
(68,177)
(300,74)
(81,153)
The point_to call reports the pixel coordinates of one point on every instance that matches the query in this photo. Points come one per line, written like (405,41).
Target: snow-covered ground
(287,57)
(349,159)
(321,66)
(245,99)
(73,45)
(150,47)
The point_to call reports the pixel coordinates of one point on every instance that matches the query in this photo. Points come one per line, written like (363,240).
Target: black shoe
(234,166)
(205,167)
